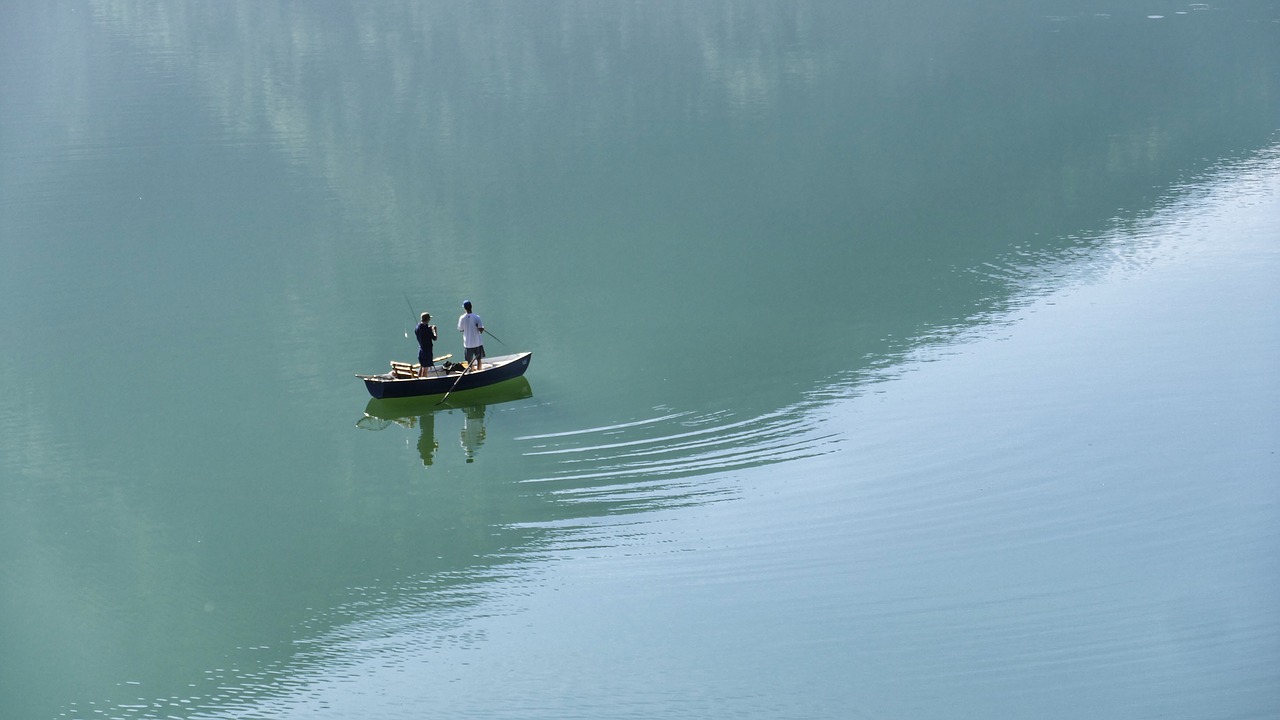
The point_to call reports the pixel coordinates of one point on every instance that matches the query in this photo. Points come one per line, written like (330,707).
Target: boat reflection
(421,413)
(472,436)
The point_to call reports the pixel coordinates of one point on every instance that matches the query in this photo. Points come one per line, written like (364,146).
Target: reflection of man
(472,430)
(427,444)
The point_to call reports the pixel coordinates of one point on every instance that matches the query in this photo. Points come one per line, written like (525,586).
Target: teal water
(888,362)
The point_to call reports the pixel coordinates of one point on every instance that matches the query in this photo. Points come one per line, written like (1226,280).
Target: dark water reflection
(710,220)
(421,413)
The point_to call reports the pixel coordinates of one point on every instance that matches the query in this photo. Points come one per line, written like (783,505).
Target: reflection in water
(737,124)
(422,412)
(427,444)
(472,430)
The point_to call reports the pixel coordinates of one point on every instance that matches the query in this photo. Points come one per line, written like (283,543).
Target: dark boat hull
(495,370)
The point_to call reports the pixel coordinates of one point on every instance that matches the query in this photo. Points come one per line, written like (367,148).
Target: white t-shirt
(469,325)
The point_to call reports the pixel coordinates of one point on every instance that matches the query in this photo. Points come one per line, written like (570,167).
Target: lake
(889,361)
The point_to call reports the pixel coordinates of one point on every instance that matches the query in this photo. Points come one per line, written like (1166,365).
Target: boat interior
(403,370)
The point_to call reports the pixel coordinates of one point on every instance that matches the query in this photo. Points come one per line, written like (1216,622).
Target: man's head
(466,305)
(426,317)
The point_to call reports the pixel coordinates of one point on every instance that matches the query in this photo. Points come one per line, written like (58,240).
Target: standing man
(426,334)
(471,327)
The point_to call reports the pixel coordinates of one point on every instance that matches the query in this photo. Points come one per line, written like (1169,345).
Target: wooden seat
(410,370)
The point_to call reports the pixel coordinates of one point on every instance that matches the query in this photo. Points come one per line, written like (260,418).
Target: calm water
(888,362)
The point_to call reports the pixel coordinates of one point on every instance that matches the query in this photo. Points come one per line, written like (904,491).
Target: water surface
(896,362)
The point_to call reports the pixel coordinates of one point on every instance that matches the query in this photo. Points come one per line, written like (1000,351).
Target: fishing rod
(415,312)
(495,337)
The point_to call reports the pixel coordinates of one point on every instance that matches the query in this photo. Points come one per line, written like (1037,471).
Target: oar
(455,382)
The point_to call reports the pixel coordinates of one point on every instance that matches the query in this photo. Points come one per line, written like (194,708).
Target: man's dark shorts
(475,352)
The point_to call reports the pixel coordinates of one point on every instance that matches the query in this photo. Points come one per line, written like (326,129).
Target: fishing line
(415,314)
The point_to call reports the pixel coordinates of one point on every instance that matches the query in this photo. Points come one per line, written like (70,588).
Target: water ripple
(635,462)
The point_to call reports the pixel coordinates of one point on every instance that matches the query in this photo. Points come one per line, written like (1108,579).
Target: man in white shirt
(471,327)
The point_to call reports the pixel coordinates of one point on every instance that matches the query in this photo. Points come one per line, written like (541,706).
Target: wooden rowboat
(403,381)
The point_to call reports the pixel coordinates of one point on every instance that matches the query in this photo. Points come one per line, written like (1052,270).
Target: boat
(402,380)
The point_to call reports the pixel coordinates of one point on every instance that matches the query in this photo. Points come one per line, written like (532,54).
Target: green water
(906,362)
